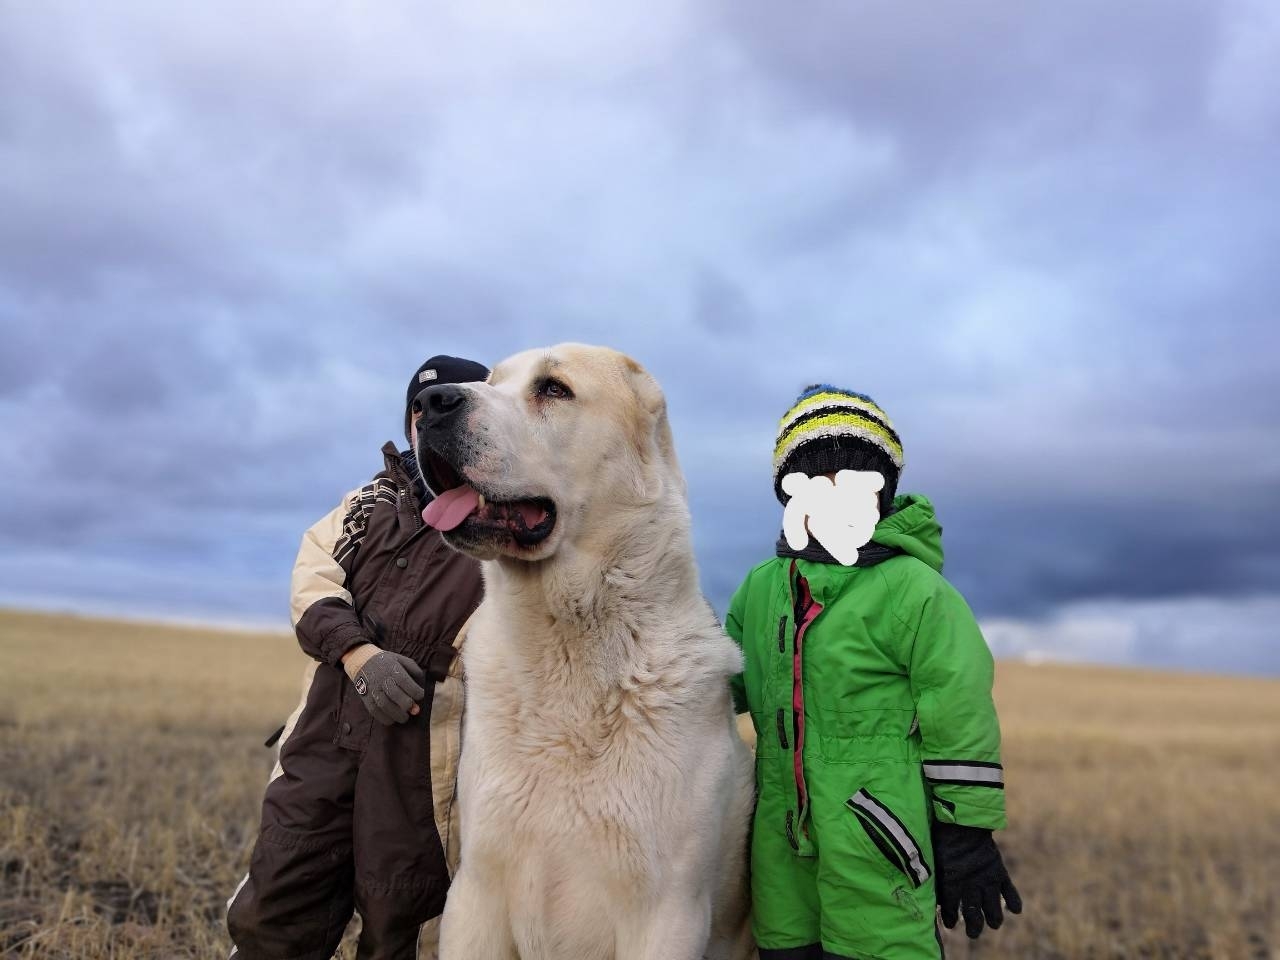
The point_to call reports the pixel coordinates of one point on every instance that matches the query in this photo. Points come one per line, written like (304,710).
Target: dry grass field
(1145,807)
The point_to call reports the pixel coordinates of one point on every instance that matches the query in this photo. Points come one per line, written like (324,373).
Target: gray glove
(389,684)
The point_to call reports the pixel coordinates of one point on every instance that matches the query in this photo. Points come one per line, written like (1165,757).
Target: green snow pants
(861,881)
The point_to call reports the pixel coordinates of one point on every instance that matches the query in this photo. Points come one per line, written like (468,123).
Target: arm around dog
(733,627)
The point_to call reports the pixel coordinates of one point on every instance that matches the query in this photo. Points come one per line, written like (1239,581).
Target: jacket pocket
(890,835)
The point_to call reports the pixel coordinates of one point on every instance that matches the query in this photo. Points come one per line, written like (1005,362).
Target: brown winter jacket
(372,571)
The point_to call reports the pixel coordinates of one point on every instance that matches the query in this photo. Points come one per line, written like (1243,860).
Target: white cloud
(1199,633)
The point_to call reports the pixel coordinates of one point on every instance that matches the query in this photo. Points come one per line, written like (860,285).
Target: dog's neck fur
(592,613)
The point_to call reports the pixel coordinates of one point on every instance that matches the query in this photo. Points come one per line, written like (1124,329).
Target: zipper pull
(411,505)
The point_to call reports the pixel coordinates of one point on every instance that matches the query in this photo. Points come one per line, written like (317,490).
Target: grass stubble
(1144,807)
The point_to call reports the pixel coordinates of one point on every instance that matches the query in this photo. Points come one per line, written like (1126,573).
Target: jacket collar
(404,470)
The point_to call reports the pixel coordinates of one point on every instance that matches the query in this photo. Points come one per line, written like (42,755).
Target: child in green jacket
(869,686)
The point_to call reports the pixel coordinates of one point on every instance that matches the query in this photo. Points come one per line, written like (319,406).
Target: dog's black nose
(439,404)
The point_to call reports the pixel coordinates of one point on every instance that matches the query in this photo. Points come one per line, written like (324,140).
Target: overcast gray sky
(1044,236)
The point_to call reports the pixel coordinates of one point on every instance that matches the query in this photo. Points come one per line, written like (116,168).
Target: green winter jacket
(869,679)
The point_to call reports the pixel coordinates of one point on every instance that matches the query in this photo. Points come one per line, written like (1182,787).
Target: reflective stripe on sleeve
(969,773)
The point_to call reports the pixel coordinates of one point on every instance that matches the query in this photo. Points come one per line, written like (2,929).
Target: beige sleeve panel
(446,747)
(317,575)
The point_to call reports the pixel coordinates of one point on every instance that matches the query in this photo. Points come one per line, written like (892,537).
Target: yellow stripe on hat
(830,397)
(842,418)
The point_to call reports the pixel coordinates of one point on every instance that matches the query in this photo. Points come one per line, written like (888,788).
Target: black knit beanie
(438,370)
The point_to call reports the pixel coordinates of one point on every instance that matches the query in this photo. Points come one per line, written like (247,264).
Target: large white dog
(604,791)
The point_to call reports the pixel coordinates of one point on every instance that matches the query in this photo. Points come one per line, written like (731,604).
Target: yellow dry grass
(1144,807)
(1144,814)
(133,769)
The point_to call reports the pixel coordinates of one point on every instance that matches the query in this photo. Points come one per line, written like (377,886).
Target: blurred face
(840,512)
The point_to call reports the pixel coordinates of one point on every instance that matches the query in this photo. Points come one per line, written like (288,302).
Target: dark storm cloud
(1027,558)
(1042,236)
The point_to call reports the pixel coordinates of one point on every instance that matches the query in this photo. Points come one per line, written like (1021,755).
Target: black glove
(971,878)
(388,683)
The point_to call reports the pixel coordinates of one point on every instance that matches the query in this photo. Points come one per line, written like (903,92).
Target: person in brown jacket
(357,814)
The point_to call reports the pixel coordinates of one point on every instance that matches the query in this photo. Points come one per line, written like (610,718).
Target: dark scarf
(869,554)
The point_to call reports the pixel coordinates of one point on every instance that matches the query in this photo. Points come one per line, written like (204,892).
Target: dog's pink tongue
(450,508)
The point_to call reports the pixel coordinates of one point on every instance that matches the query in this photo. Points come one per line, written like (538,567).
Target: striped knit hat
(829,429)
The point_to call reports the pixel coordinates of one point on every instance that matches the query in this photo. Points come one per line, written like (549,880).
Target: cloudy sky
(1044,236)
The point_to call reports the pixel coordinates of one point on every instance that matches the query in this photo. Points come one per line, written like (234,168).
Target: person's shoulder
(904,570)
(383,486)
(912,583)
(766,569)
(756,578)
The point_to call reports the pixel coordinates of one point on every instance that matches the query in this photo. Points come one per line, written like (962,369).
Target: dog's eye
(555,389)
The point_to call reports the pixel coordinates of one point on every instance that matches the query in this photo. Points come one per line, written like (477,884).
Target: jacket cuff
(981,807)
(959,832)
(967,792)
(330,628)
(340,640)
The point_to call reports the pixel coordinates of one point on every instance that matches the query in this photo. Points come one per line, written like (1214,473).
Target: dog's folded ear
(650,432)
(648,393)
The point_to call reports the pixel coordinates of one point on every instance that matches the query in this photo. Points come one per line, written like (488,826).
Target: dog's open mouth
(528,521)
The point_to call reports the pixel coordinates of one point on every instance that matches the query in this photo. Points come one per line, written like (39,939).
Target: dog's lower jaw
(501,549)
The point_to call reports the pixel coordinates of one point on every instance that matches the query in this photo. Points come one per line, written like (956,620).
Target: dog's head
(559,441)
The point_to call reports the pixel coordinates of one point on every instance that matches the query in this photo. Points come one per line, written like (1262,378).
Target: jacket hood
(912,528)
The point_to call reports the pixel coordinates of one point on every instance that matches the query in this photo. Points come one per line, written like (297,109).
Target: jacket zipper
(806,611)
(417,516)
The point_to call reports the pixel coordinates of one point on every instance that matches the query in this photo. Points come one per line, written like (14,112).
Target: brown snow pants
(348,824)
